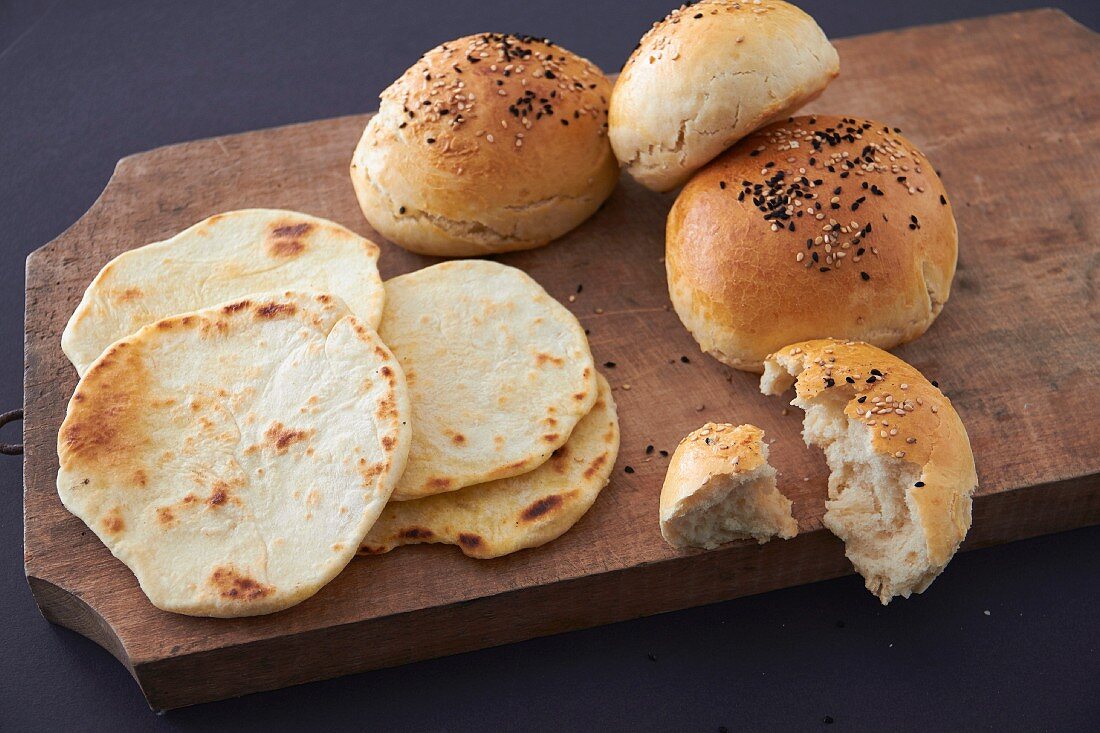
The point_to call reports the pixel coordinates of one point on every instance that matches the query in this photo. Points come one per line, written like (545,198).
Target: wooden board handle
(11,449)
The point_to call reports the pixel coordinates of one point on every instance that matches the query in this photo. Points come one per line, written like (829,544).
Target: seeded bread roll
(706,76)
(489,143)
(811,227)
(901,468)
(719,488)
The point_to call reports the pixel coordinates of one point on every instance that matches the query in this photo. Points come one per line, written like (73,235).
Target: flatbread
(500,517)
(222,258)
(235,457)
(499,373)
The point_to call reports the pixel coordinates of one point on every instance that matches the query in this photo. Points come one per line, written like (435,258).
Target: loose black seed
(935,384)
(876,372)
(401,210)
(648,449)
(664,453)
(827,720)
(865,276)
(609,364)
(580,287)
(829,382)
(862,399)
(919,484)
(722,185)
(629,469)
(685,359)
(849,380)
(943,201)
(431,140)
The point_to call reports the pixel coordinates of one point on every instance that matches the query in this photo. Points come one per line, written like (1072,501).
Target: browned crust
(233,585)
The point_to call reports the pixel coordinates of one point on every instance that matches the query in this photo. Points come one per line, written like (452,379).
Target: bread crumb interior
(869,507)
(735,507)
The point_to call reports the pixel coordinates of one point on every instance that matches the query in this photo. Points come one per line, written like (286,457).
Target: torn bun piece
(901,468)
(720,488)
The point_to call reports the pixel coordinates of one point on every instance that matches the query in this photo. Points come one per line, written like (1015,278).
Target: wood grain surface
(1006,107)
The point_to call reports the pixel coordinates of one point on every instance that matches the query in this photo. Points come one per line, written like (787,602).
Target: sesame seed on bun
(811,227)
(489,143)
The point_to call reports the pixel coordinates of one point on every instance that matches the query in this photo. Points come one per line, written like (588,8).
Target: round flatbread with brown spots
(227,256)
(499,517)
(499,373)
(235,457)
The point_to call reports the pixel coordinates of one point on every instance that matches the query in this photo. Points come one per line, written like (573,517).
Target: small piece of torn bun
(719,488)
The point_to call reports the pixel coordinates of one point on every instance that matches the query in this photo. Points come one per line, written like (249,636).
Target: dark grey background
(1005,640)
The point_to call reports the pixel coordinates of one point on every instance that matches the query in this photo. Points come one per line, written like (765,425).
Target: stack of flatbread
(255,407)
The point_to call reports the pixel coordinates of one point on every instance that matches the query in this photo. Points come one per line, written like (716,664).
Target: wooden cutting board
(1008,109)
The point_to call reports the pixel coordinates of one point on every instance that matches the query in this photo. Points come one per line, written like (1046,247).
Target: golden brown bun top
(909,418)
(815,226)
(516,95)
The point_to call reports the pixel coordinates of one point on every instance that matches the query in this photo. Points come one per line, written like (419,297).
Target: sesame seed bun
(719,488)
(489,143)
(901,468)
(706,76)
(811,227)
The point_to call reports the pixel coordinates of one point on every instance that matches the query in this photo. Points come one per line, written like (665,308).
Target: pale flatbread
(224,257)
(235,457)
(498,371)
(499,517)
